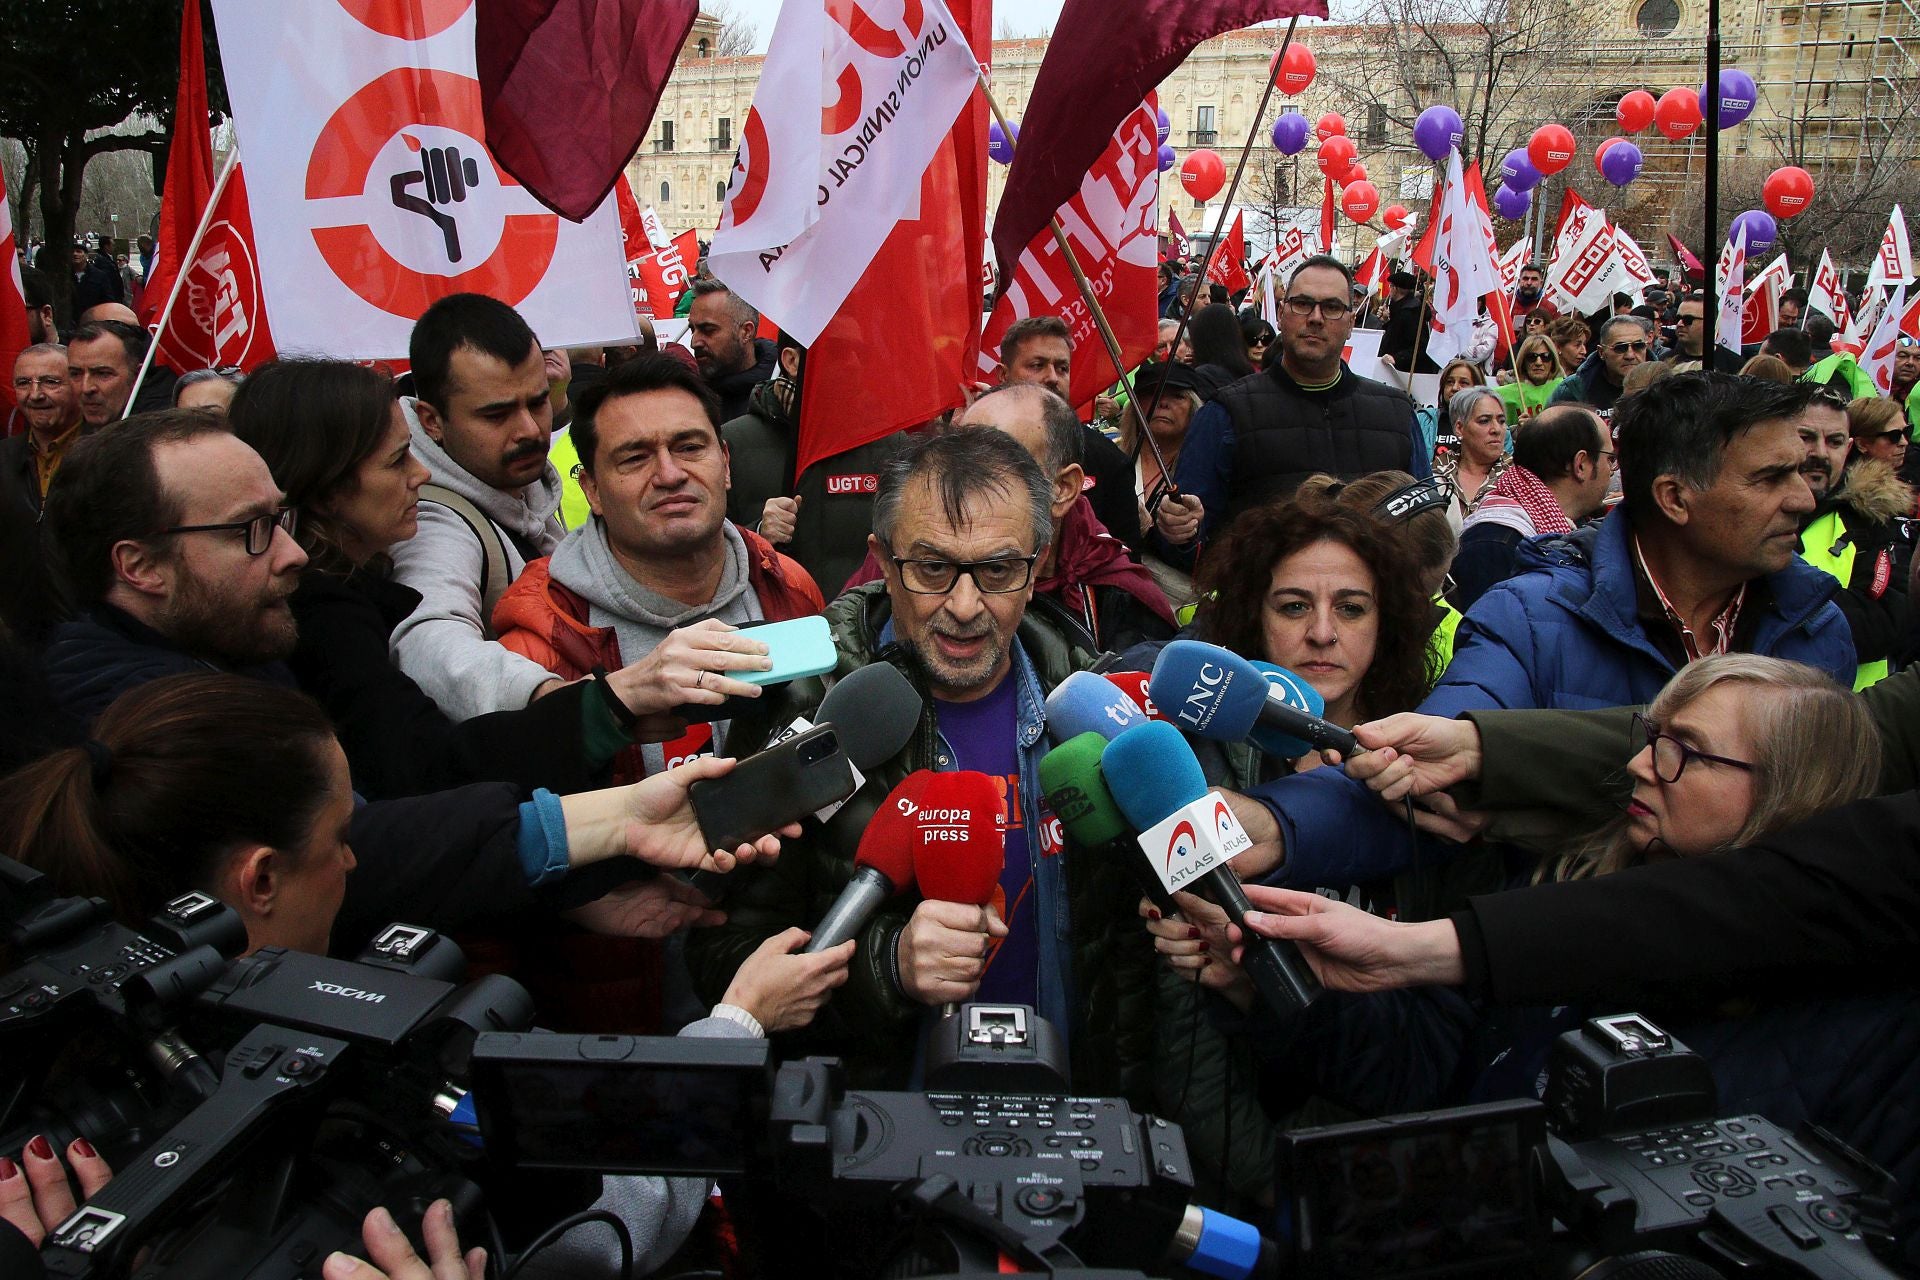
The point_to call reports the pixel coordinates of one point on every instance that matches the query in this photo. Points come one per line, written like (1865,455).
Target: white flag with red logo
(1580,273)
(1861,326)
(1464,270)
(849,111)
(1762,313)
(1893,264)
(15,336)
(375,193)
(1291,249)
(1632,274)
(1826,296)
(1729,285)
(218,319)
(1877,357)
(1511,261)
(1110,225)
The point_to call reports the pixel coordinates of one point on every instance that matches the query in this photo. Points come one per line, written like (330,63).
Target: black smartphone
(781,784)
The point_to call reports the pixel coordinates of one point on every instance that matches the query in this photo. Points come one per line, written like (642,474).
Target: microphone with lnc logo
(882,865)
(1190,835)
(1220,695)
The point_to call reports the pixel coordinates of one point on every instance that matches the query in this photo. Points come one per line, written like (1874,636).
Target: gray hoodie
(444,644)
(641,618)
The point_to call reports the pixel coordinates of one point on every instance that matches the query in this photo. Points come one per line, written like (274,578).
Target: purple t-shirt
(984,735)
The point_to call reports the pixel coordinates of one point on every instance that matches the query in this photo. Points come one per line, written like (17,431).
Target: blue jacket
(1564,632)
(100,655)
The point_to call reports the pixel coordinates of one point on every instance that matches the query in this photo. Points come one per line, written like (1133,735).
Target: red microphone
(1134,685)
(882,865)
(960,837)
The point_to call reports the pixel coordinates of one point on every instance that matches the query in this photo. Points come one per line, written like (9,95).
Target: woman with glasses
(334,438)
(1879,430)
(1536,375)
(1259,336)
(1734,748)
(1480,422)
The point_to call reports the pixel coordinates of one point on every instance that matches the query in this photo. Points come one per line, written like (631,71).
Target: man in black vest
(1305,413)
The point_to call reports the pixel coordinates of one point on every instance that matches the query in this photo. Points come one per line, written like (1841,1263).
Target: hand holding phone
(701,665)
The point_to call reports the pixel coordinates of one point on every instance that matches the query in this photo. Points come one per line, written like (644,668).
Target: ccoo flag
(849,111)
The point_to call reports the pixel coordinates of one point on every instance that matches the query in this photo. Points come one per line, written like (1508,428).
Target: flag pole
(1085,286)
(187,256)
(1426,295)
(1233,188)
(1710,310)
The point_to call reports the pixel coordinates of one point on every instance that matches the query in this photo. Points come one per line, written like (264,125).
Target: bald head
(109,311)
(1041,421)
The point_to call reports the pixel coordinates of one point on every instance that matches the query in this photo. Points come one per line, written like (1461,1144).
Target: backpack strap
(496,573)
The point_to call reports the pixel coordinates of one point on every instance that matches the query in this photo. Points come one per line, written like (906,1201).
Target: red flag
(1689,264)
(220,320)
(1910,319)
(1176,235)
(569,88)
(1079,100)
(634,245)
(664,274)
(1227,264)
(920,294)
(15,336)
(189,187)
(1109,223)
(1371,272)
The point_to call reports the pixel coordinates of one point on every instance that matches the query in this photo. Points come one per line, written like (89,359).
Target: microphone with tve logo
(1218,694)
(1189,834)
(882,865)
(1087,703)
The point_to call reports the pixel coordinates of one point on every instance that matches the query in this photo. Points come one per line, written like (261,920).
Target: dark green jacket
(869,1022)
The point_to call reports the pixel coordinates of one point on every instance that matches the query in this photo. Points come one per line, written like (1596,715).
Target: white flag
(1580,274)
(1877,357)
(1464,270)
(1825,296)
(1729,285)
(1894,263)
(1631,272)
(1861,326)
(373,194)
(850,108)
(1516,257)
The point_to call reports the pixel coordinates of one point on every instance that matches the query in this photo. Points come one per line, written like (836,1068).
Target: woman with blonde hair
(1879,430)
(1536,373)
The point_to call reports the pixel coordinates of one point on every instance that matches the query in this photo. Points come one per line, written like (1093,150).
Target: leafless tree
(737,35)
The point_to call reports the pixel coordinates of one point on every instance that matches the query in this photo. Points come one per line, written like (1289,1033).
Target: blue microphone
(1087,703)
(1218,694)
(1152,773)
(1296,693)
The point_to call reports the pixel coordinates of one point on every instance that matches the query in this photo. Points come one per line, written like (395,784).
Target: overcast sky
(1022,17)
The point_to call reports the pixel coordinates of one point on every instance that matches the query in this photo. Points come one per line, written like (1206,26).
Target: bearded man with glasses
(961,518)
(1306,413)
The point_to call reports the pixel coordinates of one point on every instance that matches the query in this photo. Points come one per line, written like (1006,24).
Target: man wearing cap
(1403,341)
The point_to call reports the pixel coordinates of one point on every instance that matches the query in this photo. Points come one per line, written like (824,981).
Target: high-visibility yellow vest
(573,500)
(1826,546)
(1440,643)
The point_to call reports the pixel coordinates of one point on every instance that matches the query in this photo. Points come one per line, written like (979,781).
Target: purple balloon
(1512,204)
(1762,230)
(1622,163)
(1517,170)
(1290,133)
(1167,157)
(1163,125)
(1437,131)
(998,145)
(1738,96)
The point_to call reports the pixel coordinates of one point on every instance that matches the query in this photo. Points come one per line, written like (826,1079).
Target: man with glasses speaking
(1306,413)
(1624,344)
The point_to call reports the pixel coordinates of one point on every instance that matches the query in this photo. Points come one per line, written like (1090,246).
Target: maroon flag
(1176,237)
(569,88)
(1078,101)
(1689,264)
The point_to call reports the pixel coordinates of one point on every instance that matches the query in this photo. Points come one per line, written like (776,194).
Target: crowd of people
(1629,627)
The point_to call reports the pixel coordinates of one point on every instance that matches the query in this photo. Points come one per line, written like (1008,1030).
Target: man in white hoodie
(482,420)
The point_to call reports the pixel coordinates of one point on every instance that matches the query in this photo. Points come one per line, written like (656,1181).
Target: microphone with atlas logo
(1078,795)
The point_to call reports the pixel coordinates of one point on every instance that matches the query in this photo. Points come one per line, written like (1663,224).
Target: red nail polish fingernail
(1153,913)
(40,1148)
(8,1170)
(84,1149)
(1204,948)
(1193,931)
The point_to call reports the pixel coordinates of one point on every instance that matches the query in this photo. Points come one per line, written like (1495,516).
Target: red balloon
(1330,125)
(1337,155)
(1202,174)
(1359,200)
(1635,111)
(1551,148)
(1356,172)
(1788,191)
(1678,113)
(1395,216)
(1292,72)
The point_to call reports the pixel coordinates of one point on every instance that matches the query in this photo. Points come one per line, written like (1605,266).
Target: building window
(720,193)
(666,194)
(1657,18)
(665,141)
(1205,129)
(702,48)
(1376,134)
(725,135)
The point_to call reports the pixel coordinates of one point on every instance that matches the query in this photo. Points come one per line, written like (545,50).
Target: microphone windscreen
(1078,794)
(1207,690)
(1296,693)
(875,711)
(1151,771)
(888,842)
(1134,685)
(960,842)
(1086,703)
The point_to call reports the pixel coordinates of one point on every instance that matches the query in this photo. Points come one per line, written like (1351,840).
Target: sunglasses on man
(1621,348)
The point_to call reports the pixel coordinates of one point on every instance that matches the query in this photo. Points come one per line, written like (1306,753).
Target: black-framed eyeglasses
(1688,319)
(259,529)
(1890,435)
(1621,348)
(1671,756)
(1539,355)
(991,577)
(1331,308)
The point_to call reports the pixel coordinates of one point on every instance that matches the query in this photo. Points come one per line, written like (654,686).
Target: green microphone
(1077,793)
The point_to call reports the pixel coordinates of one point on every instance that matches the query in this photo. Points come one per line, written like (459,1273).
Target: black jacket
(734,389)
(97,284)
(30,598)
(1283,433)
(1404,337)
(398,742)
(100,655)
(1111,471)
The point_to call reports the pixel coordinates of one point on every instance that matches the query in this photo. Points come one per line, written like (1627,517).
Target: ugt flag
(1110,225)
(217,318)
(374,193)
(848,113)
